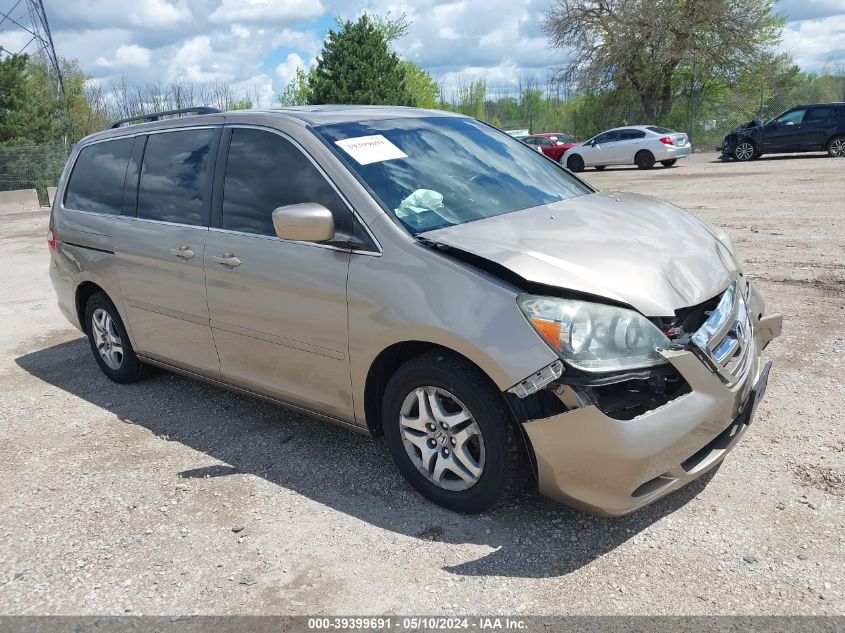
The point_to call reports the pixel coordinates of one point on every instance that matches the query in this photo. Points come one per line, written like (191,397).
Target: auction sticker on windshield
(370,149)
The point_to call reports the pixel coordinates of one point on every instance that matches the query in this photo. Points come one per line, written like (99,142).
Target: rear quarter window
(630,135)
(96,183)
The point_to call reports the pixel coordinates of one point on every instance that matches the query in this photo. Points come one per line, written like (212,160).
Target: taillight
(666,140)
(51,241)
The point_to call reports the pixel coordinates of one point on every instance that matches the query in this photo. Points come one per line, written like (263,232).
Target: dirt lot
(171,497)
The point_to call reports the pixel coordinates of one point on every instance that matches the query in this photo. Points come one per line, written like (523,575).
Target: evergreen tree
(357,66)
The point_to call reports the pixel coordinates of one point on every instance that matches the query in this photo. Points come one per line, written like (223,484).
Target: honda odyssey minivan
(422,276)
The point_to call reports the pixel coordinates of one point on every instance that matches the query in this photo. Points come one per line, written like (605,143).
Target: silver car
(422,276)
(640,145)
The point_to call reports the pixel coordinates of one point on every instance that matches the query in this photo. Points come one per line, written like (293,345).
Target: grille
(725,339)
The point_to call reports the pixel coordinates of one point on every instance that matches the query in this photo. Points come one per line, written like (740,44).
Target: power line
(34,23)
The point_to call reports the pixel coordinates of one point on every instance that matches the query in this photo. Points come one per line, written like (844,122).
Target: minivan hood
(626,247)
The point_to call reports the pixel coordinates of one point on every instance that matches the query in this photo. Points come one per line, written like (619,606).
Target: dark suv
(806,128)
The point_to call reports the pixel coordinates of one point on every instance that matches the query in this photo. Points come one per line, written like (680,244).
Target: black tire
(575,164)
(600,167)
(130,369)
(644,159)
(744,150)
(505,462)
(669,163)
(836,147)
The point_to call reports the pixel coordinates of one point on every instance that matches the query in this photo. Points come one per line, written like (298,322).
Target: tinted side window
(630,135)
(265,171)
(96,183)
(607,137)
(819,114)
(173,176)
(796,116)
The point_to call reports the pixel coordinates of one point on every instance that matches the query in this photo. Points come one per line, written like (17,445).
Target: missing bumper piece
(537,381)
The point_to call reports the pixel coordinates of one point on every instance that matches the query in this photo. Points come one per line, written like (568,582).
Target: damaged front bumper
(610,467)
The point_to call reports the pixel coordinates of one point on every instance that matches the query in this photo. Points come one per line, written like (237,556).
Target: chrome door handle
(227,259)
(183,252)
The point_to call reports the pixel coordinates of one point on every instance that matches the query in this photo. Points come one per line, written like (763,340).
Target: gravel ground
(171,497)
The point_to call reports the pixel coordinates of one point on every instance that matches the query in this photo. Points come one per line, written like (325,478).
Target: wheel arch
(84,291)
(833,137)
(385,364)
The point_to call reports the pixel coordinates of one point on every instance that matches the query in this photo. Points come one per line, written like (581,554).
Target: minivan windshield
(433,172)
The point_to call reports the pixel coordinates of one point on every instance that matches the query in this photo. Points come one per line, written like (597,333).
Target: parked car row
(640,145)
(805,128)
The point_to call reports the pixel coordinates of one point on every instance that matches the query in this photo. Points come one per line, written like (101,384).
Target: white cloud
(814,43)
(496,39)
(195,61)
(138,14)
(267,11)
(256,45)
(286,71)
(127,56)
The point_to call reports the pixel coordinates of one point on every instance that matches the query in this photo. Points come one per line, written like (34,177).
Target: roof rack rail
(155,116)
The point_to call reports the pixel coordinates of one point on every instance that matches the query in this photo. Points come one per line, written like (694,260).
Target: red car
(552,144)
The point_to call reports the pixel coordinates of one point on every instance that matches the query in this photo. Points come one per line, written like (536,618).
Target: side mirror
(305,222)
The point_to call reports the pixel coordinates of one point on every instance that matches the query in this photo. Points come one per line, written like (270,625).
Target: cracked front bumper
(611,467)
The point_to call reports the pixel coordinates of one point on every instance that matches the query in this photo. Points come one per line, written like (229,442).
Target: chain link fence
(33,167)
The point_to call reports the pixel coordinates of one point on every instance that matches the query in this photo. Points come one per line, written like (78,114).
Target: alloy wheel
(744,151)
(442,438)
(107,339)
(837,147)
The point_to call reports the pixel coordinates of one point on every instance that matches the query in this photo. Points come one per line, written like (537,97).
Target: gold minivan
(423,276)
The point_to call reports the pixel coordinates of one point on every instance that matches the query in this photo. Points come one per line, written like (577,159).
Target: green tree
(297,91)
(14,99)
(243,104)
(422,90)
(356,65)
(644,44)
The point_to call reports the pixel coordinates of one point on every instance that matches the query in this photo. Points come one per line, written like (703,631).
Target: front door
(784,133)
(160,252)
(600,152)
(278,308)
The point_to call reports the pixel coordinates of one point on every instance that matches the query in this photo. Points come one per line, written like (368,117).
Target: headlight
(595,337)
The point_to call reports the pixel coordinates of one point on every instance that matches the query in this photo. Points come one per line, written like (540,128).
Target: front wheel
(575,163)
(669,163)
(644,159)
(109,341)
(744,150)
(836,147)
(451,435)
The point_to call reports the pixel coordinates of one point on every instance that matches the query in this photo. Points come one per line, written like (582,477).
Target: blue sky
(256,45)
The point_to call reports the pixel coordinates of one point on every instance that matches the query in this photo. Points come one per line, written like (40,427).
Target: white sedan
(640,145)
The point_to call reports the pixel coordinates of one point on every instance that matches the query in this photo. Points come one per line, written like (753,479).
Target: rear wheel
(109,341)
(451,435)
(575,163)
(669,163)
(644,159)
(836,147)
(744,150)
